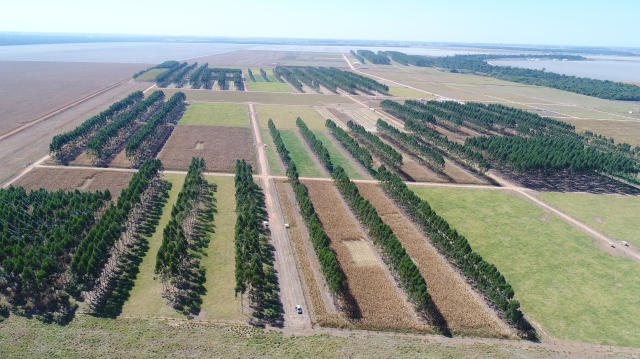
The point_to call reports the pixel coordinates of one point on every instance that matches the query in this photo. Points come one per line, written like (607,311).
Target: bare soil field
(51,85)
(220,146)
(26,147)
(380,303)
(258,97)
(256,58)
(69,179)
(463,310)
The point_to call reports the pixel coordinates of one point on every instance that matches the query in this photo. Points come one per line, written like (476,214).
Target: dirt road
(291,293)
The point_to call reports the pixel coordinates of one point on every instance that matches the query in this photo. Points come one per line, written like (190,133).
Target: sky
(542,22)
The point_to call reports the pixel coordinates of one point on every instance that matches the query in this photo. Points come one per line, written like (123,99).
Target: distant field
(150,75)
(338,157)
(258,97)
(563,281)
(615,216)
(304,162)
(285,116)
(216,114)
(269,86)
(407,92)
(621,131)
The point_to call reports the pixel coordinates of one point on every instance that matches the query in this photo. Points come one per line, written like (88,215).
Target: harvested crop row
(455,300)
(380,303)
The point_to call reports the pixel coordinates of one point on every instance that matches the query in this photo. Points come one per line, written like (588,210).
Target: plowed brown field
(464,310)
(220,146)
(69,179)
(378,298)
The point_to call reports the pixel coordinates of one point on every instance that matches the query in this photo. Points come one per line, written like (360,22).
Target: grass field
(408,93)
(150,75)
(338,157)
(285,116)
(216,114)
(268,86)
(615,216)
(88,336)
(563,281)
(272,156)
(219,302)
(304,162)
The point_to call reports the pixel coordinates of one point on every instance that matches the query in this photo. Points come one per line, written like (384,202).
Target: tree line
(477,64)
(195,79)
(326,256)
(330,78)
(485,276)
(254,260)
(315,144)
(409,143)
(164,79)
(358,57)
(382,150)
(264,75)
(359,153)
(93,251)
(65,145)
(184,236)
(105,136)
(383,237)
(39,232)
(250,73)
(165,65)
(379,59)
(140,141)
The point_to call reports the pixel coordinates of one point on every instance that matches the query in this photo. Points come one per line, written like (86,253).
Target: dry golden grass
(464,311)
(377,296)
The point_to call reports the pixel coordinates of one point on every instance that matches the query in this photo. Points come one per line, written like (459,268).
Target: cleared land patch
(616,216)
(408,93)
(285,116)
(90,180)
(380,302)
(463,310)
(220,146)
(305,163)
(269,86)
(562,280)
(216,114)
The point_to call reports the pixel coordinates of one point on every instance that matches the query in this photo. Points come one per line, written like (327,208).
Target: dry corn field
(379,299)
(464,310)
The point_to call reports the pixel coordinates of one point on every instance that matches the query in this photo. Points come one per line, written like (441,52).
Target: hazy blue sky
(561,22)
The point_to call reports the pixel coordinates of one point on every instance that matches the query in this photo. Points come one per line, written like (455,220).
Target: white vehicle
(298,309)
(286,225)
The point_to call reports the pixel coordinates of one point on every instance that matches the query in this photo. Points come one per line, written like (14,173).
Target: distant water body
(615,68)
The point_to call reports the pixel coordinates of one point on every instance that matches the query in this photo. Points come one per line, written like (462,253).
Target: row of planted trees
(383,237)
(383,151)
(183,238)
(330,78)
(484,275)
(358,152)
(409,143)
(254,270)
(329,265)
(147,141)
(66,146)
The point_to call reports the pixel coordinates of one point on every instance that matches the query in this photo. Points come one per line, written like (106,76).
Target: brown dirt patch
(379,300)
(69,179)
(220,146)
(462,309)
(120,160)
(30,89)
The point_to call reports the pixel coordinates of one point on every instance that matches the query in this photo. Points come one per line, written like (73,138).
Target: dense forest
(378,59)
(254,259)
(183,238)
(40,231)
(477,64)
